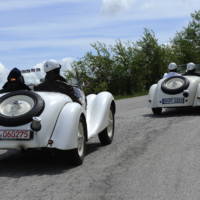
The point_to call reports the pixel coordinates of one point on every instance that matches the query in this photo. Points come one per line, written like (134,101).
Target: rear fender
(152,95)
(98,108)
(65,133)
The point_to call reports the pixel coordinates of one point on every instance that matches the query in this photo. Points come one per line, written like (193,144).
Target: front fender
(65,133)
(98,108)
(197,97)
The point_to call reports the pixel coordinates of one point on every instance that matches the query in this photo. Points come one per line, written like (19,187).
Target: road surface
(151,158)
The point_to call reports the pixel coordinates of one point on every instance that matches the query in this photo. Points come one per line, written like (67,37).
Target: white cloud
(3,74)
(115,6)
(35,77)
(66,63)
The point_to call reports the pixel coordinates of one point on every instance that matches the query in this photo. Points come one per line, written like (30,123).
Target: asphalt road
(150,158)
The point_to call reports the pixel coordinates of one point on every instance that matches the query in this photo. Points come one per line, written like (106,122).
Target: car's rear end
(173,92)
(27,119)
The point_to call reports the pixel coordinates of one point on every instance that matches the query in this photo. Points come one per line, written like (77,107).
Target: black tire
(106,136)
(157,111)
(36,110)
(77,155)
(177,90)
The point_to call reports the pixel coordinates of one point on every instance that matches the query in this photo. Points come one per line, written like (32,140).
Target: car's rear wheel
(77,155)
(106,136)
(157,111)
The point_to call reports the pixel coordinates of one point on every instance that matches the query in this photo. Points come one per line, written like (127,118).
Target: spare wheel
(175,84)
(19,107)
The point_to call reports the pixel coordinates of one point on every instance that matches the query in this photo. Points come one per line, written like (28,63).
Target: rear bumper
(38,139)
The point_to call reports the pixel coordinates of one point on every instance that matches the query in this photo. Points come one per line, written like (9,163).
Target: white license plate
(175,100)
(15,134)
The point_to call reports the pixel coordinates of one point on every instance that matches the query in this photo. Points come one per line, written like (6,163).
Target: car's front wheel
(78,154)
(106,136)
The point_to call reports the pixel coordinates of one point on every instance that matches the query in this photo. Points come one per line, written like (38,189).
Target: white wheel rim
(110,125)
(81,139)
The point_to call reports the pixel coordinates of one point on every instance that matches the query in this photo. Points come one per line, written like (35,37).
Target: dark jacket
(56,83)
(15,81)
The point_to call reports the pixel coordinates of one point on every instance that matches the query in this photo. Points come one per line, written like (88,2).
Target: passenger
(191,69)
(15,81)
(172,68)
(54,82)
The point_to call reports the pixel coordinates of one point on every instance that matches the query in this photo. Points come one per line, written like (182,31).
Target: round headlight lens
(174,83)
(16,105)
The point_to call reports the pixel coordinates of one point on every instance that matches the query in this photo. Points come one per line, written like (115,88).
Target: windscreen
(183,69)
(33,76)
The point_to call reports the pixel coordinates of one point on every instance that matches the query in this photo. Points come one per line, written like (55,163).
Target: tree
(123,68)
(150,58)
(94,69)
(186,44)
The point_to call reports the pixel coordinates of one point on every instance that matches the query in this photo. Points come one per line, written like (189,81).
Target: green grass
(131,96)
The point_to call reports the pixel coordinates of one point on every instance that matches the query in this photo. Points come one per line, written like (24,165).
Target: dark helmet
(15,76)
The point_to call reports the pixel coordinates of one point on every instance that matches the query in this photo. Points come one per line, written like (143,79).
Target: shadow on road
(17,164)
(172,112)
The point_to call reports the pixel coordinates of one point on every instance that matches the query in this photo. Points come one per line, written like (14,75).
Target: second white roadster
(175,92)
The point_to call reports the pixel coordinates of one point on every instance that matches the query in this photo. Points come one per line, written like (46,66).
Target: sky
(33,31)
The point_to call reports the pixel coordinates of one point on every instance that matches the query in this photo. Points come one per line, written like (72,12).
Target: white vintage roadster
(176,91)
(30,119)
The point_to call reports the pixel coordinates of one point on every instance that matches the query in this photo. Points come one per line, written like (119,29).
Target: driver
(172,68)
(54,82)
(15,81)
(191,69)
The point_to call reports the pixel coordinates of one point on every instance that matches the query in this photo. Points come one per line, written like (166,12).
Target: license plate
(15,134)
(175,100)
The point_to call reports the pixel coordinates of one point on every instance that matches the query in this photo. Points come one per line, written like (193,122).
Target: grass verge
(131,96)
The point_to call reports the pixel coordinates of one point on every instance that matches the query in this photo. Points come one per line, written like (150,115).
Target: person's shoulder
(61,78)
(165,74)
(177,74)
(39,86)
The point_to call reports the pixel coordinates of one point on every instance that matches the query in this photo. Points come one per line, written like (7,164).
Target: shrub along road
(150,158)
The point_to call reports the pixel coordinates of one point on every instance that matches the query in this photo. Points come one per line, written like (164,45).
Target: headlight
(174,83)
(16,105)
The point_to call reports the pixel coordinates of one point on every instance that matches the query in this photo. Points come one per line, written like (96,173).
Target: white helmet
(191,66)
(51,65)
(172,66)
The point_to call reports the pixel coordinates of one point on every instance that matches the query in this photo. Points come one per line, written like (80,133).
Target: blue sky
(32,31)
